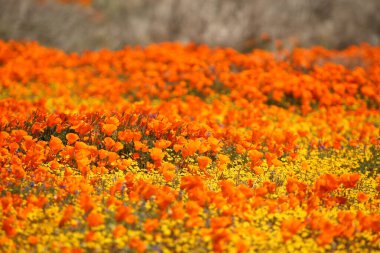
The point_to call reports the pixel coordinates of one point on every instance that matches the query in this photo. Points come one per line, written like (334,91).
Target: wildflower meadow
(189,148)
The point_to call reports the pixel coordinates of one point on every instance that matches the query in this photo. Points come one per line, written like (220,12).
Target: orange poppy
(178,212)
(327,183)
(162,144)
(86,203)
(190,148)
(220,222)
(9,226)
(126,136)
(118,146)
(67,214)
(290,227)
(33,240)
(256,157)
(119,231)
(95,219)
(137,244)
(362,197)
(109,129)
(55,144)
(90,236)
(272,159)
(168,171)
(108,143)
(191,182)
(350,180)
(156,154)
(203,161)
(71,138)
(125,213)
(150,225)
(325,238)
(140,146)
(194,222)
(113,120)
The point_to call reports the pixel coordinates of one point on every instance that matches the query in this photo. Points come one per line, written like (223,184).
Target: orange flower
(228,189)
(191,182)
(220,222)
(156,154)
(193,208)
(86,203)
(71,138)
(190,148)
(90,236)
(126,136)
(13,147)
(150,225)
(67,214)
(33,240)
(256,157)
(327,183)
(112,120)
(162,144)
(9,226)
(119,231)
(81,2)
(362,197)
(194,222)
(18,135)
(223,159)
(292,185)
(140,146)
(290,227)
(137,244)
(125,213)
(350,180)
(177,147)
(272,159)
(325,238)
(258,170)
(54,165)
(118,146)
(203,161)
(55,144)
(165,196)
(76,250)
(108,143)
(108,129)
(103,154)
(178,212)
(95,219)
(168,171)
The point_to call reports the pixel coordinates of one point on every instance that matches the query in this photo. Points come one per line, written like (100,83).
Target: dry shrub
(237,24)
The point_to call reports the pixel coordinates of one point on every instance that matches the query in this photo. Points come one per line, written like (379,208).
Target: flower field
(187,148)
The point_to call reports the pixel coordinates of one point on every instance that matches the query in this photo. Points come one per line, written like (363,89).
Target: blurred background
(77,25)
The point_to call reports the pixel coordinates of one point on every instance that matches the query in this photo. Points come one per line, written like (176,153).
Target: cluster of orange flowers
(178,148)
(80,2)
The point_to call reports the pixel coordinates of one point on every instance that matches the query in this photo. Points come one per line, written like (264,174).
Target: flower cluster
(80,2)
(187,148)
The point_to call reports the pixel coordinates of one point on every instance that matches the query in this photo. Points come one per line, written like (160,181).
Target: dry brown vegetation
(238,24)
